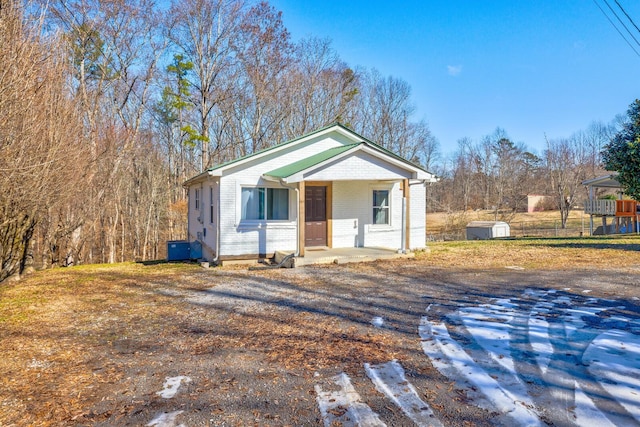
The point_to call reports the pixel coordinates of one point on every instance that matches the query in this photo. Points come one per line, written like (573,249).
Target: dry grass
(553,253)
(57,328)
(79,338)
(439,222)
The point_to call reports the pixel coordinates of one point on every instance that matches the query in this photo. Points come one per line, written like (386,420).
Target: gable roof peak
(336,126)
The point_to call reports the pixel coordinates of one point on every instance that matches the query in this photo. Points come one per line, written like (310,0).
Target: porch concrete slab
(347,255)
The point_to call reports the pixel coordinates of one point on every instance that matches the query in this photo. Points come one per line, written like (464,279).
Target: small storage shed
(483,230)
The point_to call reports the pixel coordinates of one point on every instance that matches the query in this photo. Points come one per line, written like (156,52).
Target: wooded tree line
(498,174)
(107,106)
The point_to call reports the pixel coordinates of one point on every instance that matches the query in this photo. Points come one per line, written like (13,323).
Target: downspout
(217,257)
(188,216)
(403,238)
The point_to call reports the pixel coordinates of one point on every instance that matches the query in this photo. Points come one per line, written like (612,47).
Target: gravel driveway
(395,343)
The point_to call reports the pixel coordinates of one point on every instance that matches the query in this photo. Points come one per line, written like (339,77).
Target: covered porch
(354,199)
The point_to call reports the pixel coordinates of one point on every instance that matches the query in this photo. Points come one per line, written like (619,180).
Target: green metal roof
(306,163)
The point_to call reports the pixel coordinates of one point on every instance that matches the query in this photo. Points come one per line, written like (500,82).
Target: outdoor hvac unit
(178,250)
(195,250)
(484,230)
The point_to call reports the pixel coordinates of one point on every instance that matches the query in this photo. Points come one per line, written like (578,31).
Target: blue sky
(531,67)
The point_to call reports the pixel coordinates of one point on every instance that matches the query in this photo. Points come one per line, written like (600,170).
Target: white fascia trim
(286,145)
(196,179)
(417,173)
(344,132)
(606,181)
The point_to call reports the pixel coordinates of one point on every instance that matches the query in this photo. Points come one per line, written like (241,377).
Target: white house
(330,188)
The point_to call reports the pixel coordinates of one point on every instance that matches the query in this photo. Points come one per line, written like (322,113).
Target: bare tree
(568,162)
(114,47)
(41,161)
(321,87)
(264,53)
(203,31)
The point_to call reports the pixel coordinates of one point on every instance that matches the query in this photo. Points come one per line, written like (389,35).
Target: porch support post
(301,217)
(330,214)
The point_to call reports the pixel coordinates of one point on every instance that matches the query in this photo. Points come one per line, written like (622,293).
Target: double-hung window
(381,207)
(260,203)
(211,213)
(197,199)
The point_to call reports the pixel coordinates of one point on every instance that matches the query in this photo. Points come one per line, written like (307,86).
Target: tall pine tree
(622,153)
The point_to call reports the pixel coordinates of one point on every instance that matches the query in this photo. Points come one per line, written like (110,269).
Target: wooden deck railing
(611,207)
(600,207)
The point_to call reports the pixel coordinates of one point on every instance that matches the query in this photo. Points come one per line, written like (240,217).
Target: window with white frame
(196,198)
(211,216)
(260,203)
(381,207)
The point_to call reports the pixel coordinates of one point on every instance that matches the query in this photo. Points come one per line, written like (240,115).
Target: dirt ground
(95,345)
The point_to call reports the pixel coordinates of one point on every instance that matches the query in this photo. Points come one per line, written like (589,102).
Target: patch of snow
(514,267)
(344,406)
(587,413)
(503,400)
(573,320)
(539,340)
(490,326)
(171,386)
(38,364)
(377,321)
(614,359)
(586,291)
(535,292)
(389,378)
(166,419)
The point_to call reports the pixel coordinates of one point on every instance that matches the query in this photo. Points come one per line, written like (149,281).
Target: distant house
(331,188)
(536,202)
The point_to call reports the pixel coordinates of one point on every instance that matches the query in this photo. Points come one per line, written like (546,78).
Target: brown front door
(315,221)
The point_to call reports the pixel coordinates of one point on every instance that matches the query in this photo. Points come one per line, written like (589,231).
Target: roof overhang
(296,171)
(606,181)
(196,179)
